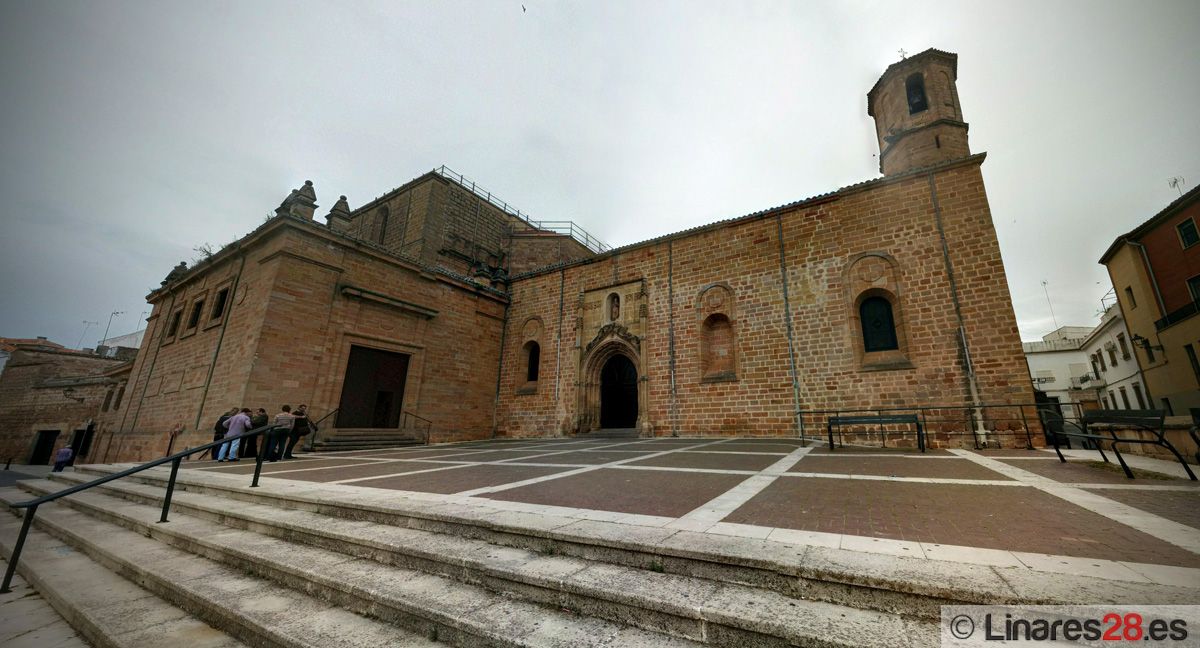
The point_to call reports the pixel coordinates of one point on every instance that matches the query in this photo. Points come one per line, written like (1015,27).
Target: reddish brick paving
(245,467)
(824,449)
(899,466)
(461,479)
(779,448)
(589,458)
(710,461)
(649,492)
(1013,452)
(1182,507)
(356,471)
(1013,518)
(415,454)
(1079,472)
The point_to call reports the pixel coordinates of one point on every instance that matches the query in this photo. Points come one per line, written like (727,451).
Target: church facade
(439,311)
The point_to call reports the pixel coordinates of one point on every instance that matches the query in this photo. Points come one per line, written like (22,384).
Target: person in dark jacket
(219,431)
(62,458)
(301,426)
(250,444)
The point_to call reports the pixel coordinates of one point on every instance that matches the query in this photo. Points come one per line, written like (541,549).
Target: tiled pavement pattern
(1080,472)
(1181,506)
(758,487)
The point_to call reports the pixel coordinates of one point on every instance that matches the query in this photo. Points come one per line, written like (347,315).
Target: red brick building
(438,308)
(1155,269)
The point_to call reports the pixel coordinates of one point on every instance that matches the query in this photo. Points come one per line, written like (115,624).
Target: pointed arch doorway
(618,393)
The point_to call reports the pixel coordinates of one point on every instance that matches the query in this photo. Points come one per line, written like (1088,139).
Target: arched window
(717,348)
(614,307)
(533,361)
(914,88)
(878,325)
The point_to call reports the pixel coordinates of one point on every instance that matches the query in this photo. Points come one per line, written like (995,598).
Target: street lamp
(110,316)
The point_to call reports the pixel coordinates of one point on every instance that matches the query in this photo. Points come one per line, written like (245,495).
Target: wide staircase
(295,566)
(365,439)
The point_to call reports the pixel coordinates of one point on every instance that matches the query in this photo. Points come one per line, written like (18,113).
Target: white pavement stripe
(577,471)
(713,511)
(1170,531)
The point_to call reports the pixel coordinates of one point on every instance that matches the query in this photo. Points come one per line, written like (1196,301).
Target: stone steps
(298,596)
(351,439)
(688,607)
(181,592)
(907,586)
(107,610)
(883,583)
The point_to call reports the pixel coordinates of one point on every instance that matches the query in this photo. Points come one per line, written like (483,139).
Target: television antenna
(1050,304)
(86,325)
(1176,183)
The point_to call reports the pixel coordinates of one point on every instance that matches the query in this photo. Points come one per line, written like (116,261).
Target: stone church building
(437,309)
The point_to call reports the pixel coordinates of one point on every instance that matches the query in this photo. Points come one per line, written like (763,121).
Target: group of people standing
(287,430)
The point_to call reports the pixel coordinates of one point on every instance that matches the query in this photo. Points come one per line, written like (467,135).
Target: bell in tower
(918,119)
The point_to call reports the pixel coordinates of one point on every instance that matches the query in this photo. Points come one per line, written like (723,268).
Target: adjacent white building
(1058,365)
(1116,381)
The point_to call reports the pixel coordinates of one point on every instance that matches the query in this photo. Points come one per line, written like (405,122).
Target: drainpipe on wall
(964,347)
(228,314)
(1162,309)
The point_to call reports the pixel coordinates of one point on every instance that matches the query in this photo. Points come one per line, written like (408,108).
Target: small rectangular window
(1194,288)
(1137,394)
(1104,399)
(219,302)
(120,395)
(1129,297)
(1100,356)
(173,326)
(1124,346)
(1125,398)
(1112,396)
(1112,356)
(1187,233)
(194,318)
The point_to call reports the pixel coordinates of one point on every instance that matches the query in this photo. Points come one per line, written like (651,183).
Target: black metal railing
(1017,421)
(1178,315)
(175,460)
(312,438)
(567,228)
(424,431)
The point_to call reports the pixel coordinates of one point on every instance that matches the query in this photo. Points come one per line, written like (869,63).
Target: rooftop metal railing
(566,228)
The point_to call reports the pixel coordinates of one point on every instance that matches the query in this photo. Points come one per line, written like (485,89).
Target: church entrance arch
(618,393)
(612,390)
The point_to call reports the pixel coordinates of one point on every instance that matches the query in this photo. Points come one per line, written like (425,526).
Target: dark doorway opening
(373,391)
(618,393)
(43,447)
(81,442)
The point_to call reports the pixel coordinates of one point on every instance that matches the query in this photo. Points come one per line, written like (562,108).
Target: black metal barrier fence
(1007,425)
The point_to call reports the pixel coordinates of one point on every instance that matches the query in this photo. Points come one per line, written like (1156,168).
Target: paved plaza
(1005,508)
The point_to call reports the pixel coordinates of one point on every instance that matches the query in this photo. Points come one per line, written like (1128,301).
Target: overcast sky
(132,132)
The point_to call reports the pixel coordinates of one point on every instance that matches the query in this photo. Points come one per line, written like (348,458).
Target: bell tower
(918,119)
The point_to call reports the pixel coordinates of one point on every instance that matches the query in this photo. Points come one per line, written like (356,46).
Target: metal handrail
(568,228)
(175,459)
(312,438)
(428,424)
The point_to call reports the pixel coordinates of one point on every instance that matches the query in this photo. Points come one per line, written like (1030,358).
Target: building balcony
(1178,315)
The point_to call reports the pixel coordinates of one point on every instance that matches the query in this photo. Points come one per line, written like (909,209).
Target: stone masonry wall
(27,405)
(820,239)
(286,335)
